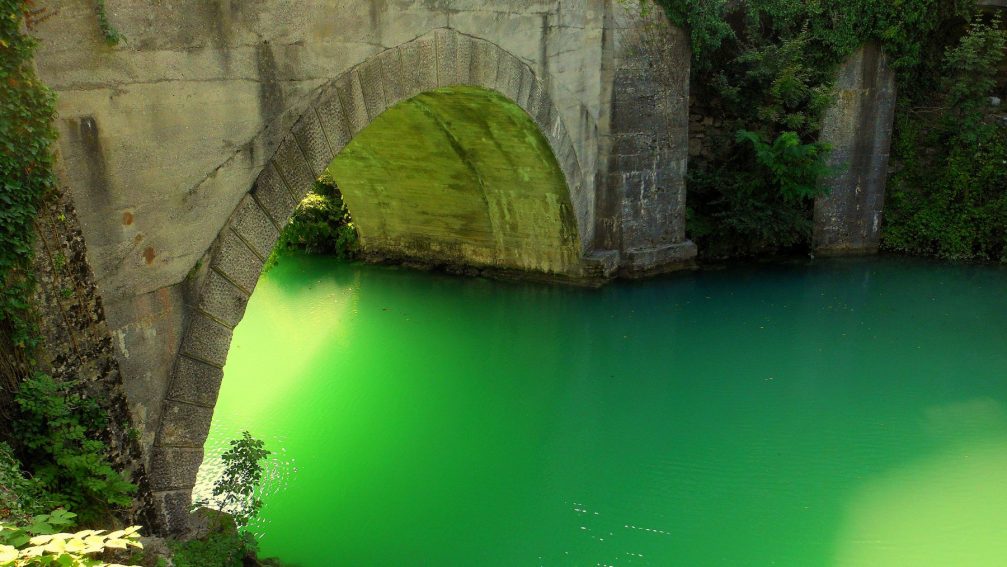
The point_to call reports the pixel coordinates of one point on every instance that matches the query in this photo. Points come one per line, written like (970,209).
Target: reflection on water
(843,413)
(949,509)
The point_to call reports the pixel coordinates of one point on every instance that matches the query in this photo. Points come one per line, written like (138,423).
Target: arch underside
(541,223)
(459,175)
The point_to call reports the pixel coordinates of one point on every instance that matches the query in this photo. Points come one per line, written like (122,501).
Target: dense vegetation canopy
(766,68)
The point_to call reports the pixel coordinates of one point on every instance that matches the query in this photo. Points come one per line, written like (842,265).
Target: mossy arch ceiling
(459,175)
(537,224)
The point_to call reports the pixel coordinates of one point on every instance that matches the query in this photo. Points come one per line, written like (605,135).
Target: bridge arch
(342,109)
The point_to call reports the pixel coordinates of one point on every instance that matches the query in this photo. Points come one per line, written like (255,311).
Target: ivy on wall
(108,31)
(27,109)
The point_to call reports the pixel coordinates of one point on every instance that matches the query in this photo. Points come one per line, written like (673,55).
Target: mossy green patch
(459,175)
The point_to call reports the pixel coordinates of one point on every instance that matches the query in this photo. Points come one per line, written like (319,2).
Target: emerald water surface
(838,413)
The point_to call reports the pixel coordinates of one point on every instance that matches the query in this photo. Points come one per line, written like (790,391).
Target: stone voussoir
(272,194)
(372,87)
(195,382)
(292,165)
(419,66)
(348,89)
(223,300)
(173,506)
(174,468)
(185,425)
(314,146)
(485,63)
(509,76)
(446,42)
(391,76)
(207,340)
(332,119)
(254,227)
(235,260)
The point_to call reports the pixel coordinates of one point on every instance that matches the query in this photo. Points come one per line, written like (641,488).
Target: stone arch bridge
(543,136)
(184,151)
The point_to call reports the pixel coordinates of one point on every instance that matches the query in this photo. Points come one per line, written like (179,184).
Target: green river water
(847,413)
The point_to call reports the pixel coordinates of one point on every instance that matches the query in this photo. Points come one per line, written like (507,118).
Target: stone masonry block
(223,300)
(294,168)
(314,146)
(352,97)
(207,340)
(419,66)
(372,87)
(537,98)
(527,82)
(185,425)
(509,76)
(391,76)
(195,382)
(174,468)
(173,509)
(272,194)
(463,59)
(485,61)
(447,52)
(333,120)
(236,261)
(254,227)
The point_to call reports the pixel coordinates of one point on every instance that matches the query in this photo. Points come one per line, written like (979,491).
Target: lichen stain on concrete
(270,91)
(148,255)
(96,163)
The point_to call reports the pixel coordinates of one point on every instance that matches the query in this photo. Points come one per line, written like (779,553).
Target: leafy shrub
(57,430)
(20,497)
(41,544)
(949,197)
(234,491)
(763,201)
(224,546)
(321,224)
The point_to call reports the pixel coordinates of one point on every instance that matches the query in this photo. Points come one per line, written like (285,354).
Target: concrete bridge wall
(186,147)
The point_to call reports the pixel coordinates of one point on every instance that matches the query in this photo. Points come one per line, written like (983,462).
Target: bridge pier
(641,191)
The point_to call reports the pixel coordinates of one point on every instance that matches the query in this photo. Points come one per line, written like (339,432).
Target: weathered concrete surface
(641,190)
(859,128)
(76,345)
(188,146)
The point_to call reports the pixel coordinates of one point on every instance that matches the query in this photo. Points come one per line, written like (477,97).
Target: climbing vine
(27,109)
(111,35)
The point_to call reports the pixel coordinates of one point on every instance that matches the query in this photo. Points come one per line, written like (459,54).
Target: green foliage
(226,548)
(27,109)
(41,543)
(321,224)
(767,66)
(949,197)
(57,430)
(234,491)
(762,203)
(21,498)
(111,35)
(790,168)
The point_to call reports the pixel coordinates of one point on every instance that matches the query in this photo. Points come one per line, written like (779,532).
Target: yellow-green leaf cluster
(68,549)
